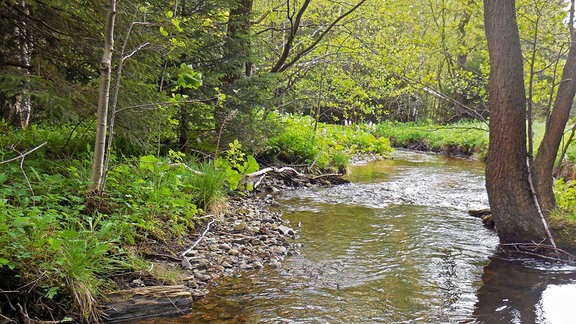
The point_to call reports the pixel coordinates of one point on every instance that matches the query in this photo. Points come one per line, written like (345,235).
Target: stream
(394,246)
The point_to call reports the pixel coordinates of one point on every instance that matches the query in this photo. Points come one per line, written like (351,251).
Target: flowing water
(395,246)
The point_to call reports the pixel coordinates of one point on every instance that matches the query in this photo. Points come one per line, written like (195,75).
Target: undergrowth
(60,248)
(328,148)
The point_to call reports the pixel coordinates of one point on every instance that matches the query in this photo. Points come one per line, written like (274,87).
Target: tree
(512,202)
(556,121)
(18,104)
(97,174)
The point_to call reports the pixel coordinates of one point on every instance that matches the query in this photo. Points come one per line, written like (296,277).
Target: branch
(272,169)
(288,45)
(531,248)
(197,241)
(22,155)
(266,14)
(134,51)
(320,37)
(442,96)
(537,203)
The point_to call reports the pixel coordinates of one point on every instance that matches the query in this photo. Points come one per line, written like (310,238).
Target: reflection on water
(525,291)
(395,246)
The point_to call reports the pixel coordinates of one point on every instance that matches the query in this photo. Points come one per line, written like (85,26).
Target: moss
(563,231)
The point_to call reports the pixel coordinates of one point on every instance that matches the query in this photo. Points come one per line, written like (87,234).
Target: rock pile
(252,236)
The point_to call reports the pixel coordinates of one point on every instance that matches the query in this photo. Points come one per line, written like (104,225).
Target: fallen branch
(533,248)
(257,183)
(327,175)
(23,154)
(273,169)
(199,239)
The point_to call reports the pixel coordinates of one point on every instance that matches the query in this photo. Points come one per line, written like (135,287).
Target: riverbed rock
(286,230)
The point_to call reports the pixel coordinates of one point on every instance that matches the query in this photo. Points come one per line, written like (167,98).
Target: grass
(464,138)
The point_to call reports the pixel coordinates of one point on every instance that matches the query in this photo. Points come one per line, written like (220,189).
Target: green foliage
(188,78)
(154,199)
(209,186)
(57,248)
(64,246)
(296,144)
(329,148)
(469,138)
(565,193)
(64,141)
(235,164)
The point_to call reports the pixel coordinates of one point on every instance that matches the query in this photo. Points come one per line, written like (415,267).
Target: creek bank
(452,150)
(248,236)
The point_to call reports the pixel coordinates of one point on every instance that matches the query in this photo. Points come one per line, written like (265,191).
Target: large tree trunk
(97,174)
(543,167)
(515,213)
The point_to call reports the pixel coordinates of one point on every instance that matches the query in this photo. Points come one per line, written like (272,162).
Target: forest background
(202,92)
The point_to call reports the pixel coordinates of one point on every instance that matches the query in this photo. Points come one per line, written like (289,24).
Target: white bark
(20,105)
(96,177)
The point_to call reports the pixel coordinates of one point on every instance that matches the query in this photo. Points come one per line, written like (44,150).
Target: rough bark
(514,210)
(239,44)
(103,98)
(543,166)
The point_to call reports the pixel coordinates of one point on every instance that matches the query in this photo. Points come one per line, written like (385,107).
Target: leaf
(51,292)
(148,162)
(233,178)
(188,78)
(163,32)
(69,234)
(251,165)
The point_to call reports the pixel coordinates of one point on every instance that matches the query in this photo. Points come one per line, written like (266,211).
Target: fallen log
(146,302)
(273,179)
(479,212)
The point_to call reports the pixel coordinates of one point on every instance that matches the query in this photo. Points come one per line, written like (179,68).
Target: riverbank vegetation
(194,97)
(61,248)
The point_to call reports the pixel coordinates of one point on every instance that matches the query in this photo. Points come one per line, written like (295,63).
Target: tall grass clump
(208,186)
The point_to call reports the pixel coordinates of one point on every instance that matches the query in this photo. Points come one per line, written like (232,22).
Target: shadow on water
(394,246)
(517,290)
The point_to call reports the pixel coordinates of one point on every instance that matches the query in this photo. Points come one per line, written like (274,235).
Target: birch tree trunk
(96,177)
(19,106)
